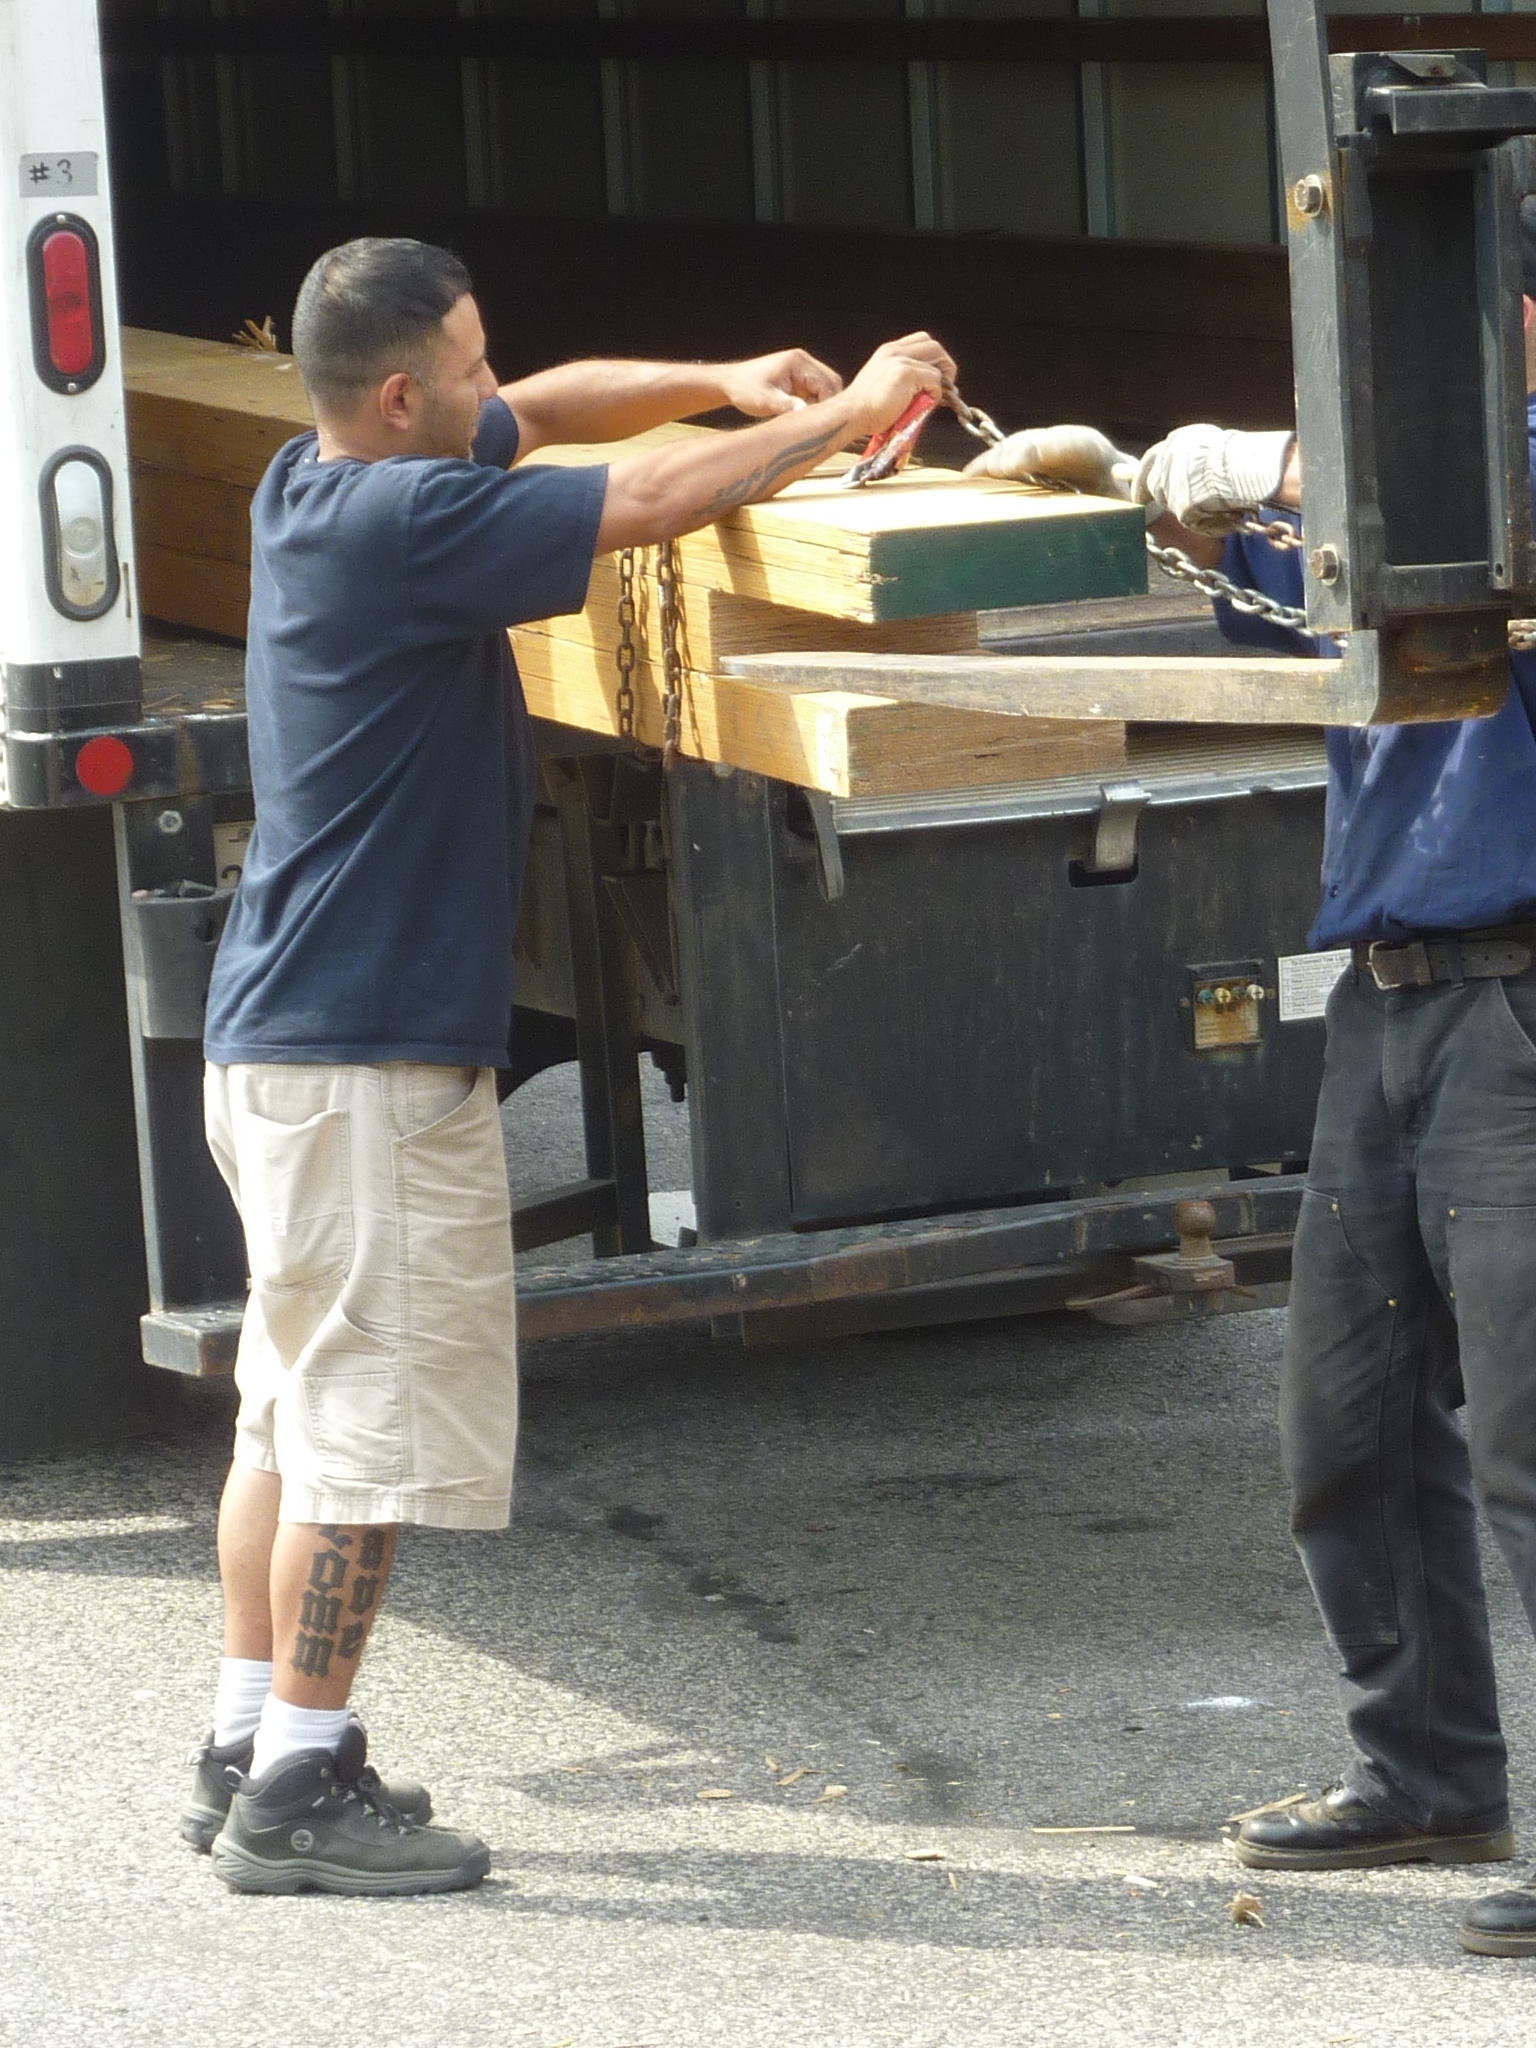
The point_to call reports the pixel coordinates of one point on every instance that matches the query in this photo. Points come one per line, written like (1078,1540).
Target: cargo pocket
(296,1206)
(454,1175)
(355,1420)
(457,1223)
(1341,1343)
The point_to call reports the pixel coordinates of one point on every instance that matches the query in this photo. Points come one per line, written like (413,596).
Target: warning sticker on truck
(1306,982)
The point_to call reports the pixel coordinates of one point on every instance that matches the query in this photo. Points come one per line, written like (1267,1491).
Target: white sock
(286,1730)
(244,1683)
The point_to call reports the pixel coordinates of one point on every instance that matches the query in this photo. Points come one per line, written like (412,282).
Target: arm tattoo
(759,482)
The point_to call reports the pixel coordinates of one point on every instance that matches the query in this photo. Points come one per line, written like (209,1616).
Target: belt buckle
(1414,958)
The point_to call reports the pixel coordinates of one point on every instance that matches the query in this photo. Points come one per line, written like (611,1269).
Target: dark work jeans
(1415,1278)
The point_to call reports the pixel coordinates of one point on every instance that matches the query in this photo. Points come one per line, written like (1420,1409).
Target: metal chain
(1173,561)
(626,656)
(1278,532)
(978,424)
(671,653)
(1211,582)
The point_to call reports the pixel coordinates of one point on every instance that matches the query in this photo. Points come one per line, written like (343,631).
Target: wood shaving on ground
(954,1882)
(794,1777)
(1133,1883)
(716,1792)
(1114,1828)
(830,1792)
(1245,1910)
(1269,1806)
(923,1855)
(773,1763)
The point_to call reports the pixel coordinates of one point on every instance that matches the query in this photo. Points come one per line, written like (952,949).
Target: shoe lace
(368,1789)
(371,1786)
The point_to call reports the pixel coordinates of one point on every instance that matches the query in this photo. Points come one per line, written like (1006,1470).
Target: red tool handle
(886,452)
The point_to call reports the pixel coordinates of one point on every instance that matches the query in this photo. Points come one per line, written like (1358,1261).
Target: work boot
(1340,1832)
(323,1823)
(208,1803)
(1504,1923)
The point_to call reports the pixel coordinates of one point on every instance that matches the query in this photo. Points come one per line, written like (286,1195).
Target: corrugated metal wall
(1161,151)
(1094,237)
(1018,148)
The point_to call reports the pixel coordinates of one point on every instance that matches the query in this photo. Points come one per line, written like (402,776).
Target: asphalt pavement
(887,1691)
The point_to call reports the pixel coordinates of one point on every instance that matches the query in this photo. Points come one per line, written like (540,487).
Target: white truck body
(66,538)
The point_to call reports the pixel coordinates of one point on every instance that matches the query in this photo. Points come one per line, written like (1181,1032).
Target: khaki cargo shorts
(378,1358)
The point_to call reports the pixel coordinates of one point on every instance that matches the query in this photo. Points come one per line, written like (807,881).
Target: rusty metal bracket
(1194,1280)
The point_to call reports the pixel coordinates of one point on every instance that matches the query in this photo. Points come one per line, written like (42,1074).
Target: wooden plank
(918,543)
(194,515)
(193,590)
(208,408)
(846,743)
(717,623)
(1143,689)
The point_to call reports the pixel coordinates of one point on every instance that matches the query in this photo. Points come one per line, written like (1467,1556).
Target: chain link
(670,607)
(1278,532)
(1174,562)
(626,656)
(978,424)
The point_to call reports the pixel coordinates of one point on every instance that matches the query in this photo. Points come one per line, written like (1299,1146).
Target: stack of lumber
(902,567)
(897,569)
(204,420)
(846,742)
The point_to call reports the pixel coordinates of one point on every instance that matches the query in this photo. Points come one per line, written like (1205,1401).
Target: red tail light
(67,288)
(104,765)
(64,275)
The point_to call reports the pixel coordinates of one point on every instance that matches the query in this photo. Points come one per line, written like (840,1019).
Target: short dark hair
(370,308)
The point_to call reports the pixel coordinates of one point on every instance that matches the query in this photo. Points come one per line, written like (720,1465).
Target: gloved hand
(1210,478)
(1080,456)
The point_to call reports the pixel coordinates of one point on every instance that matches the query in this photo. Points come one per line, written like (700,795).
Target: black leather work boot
(1504,1923)
(1340,1832)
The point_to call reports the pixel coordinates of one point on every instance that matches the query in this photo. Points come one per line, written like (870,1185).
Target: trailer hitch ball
(1196,1267)
(1195,1223)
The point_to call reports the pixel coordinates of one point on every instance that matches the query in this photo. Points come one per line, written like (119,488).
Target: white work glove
(1079,456)
(1210,478)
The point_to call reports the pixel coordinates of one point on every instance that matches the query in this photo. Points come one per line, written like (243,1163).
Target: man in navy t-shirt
(1414,1282)
(363,990)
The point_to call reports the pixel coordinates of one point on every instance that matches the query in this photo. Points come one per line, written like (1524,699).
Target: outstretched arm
(609,401)
(671,490)
(1197,484)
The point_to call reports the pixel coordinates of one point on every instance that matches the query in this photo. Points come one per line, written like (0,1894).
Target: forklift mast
(1404,173)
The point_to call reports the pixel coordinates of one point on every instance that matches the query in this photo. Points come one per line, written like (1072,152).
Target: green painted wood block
(918,570)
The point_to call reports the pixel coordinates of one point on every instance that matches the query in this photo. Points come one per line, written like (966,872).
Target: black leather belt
(1502,950)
